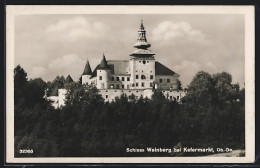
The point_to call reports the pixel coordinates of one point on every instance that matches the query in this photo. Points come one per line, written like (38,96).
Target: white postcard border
(248,11)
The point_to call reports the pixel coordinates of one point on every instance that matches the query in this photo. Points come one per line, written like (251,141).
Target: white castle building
(139,75)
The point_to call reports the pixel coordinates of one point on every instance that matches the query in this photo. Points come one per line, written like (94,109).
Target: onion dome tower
(142,45)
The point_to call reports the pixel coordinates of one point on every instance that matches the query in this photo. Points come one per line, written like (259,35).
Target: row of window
(143,76)
(118,78)
(136,97)
(168,80)
(118,86)
(129,97)
(136,77)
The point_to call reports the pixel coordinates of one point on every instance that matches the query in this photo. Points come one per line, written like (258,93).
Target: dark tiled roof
(103,63)
(68,79)
(87,69)
(160,69)
(95,71)
(110,67)
(55,91)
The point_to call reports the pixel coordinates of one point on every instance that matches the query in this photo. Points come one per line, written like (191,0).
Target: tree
(158,96)
(225,90)
(36,91)
(179,85)
(83,94)
(20,84)
(58,81)
(201,90)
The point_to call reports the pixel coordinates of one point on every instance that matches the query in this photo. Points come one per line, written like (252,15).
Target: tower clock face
(144,61)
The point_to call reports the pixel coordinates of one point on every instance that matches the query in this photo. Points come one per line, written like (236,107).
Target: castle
(139,75)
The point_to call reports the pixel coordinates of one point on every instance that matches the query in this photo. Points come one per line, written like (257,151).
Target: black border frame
(3,4)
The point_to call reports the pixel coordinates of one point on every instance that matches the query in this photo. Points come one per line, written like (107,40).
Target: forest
(212,114)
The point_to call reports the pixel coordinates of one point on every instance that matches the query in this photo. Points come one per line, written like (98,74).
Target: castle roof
(55,91)
(121,67)
(68,79)
(103,63)
(87,69)
(160,69)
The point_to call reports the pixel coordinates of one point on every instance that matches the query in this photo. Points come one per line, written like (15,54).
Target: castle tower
(87,73)
(142,62)
(103,74)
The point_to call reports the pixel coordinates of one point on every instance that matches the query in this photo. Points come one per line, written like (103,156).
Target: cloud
(177,32)
(37,71)
(188,69)
(70,64)
(76,28)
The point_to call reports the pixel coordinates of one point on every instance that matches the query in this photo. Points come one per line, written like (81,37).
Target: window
(100,77)
(112,78)
(128,79)
(102,85)
(136,77)
(117,78)
(128,87)
(106,96)
(143,77)
(123,86)
(142,84)
(151,84)
(178,97)
(151,76)
(168,80)
(136,84)
(170,97)
(160,80)
(123,78)
(117,86)
(111,86)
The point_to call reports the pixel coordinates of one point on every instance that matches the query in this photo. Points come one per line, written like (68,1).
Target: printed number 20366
(26,151)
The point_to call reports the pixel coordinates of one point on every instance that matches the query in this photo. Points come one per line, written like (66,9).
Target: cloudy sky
(51,45)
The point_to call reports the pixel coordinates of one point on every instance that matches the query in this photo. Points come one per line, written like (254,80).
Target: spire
(141,44)
(142,26)
(68,79)
(87,69)
(103,63)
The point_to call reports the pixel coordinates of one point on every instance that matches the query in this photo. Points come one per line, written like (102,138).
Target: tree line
(212,114)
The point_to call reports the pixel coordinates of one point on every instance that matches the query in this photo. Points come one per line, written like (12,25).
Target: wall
(55,100)
(62,97)
(165,85)
(139,68)
(110,94)
(105,78)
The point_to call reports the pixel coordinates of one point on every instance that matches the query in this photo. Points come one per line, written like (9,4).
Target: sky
(50,45)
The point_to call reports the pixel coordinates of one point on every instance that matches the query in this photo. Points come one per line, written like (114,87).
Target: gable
(160,69)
